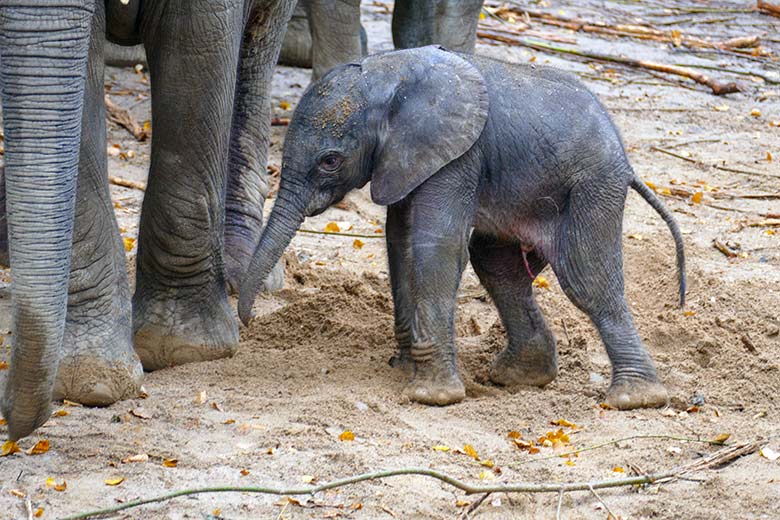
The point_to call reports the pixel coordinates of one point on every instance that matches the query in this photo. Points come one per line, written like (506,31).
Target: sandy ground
(314,364)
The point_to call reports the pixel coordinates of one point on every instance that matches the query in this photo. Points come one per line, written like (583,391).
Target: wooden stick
(127,183)
(716,459)
(716,166)
(767,8)
(123,118)
(717,87)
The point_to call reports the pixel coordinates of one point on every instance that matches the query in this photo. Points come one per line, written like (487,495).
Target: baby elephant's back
(543,121)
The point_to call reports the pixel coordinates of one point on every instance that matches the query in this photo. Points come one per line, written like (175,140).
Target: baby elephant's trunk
(285,219)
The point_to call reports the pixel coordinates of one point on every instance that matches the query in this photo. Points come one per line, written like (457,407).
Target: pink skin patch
(527,266)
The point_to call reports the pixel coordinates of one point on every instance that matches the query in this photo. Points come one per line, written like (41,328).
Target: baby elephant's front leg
(438,262)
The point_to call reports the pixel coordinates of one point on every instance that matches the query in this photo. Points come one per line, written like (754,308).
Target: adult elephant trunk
(43,50)
(286,217)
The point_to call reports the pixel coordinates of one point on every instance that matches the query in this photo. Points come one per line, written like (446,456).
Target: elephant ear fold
(431,106)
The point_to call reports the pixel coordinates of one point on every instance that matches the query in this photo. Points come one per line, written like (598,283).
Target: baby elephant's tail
(662,210)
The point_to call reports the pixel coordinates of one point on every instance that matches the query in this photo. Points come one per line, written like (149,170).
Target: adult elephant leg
(450,23)
(44,60)
(5,261)
(180,308)
(335,33)
(529,357)
(98,364)
(296,47)
(250,134)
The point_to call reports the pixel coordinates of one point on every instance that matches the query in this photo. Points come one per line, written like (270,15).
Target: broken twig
(123,118)
(127,183)
(716,459)
(718,88)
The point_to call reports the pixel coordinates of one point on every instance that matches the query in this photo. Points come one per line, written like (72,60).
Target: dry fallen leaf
(229,421)
(141,413)
(114,481)
(570,462)
(541,282)
(170,463)
(769,156)
(38,512)
(40,447)
(129,243)
(755,112)
(486,475)
(201,397)
(769,454)
(721,108)
(17,493)
(244,472)
(284,105)
(636,236)
(564,423)
(9,448)
(50,482)
(141,457)
(696,197)
(3,422)
(60,413)
(332,227)
(689,313)
(469,450)
(308,479)
(487,463)
(618,469)
(66,402)
(358,244)
(347,435)
(216,512)
(3,364)
(721,439)
(462,503)
(441,447)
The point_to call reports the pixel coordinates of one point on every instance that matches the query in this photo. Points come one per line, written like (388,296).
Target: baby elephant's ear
(432,106)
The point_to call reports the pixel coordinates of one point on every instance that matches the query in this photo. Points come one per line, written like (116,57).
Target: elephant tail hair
(646,193)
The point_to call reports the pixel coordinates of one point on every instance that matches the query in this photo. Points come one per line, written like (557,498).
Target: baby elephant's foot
(402,360)
(533,364)
(630,393)
(435,385)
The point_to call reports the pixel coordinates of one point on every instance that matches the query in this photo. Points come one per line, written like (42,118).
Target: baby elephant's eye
(331,162)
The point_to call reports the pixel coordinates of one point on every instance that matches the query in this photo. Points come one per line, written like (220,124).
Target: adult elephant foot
(100,368)
(434,384)
(172,328)
(626,393)
(533,364)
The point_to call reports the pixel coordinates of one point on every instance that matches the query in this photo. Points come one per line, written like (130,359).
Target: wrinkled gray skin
(325,33)
(524,156)
(73,323)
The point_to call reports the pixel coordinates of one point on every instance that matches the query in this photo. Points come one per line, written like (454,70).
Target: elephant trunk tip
(246,299)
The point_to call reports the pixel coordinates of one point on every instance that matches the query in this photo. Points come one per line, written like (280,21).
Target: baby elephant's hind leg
(530,357)
(589,266)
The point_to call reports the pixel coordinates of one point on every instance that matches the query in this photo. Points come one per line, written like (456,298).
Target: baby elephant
(524,156)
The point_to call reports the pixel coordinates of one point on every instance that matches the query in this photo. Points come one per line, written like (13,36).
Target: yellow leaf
(229,421)
(3,365)
(755,112)
(347,435)
(284,105)
(379,231)
(244,472)
(541,282)
(147,126)
(356,506)
(462,503)
(564,423)
(618,469)
(358,244)
(569,463)
(17,493)
(60,413)
(486,475)
(9,448)
(651,185)
(769,156)
(170,463)
(332,227)
(482,16)
(487,463)
(50,482)
(441,447)
(66,402)
(38,512)
(129,243)
(770,232)
(636,236)
(721,439)
(40,447)
(696,198)
(665,191)
(216,512)
(3,422)
(514,435)
(114,481)
(469,450)
(689,313)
